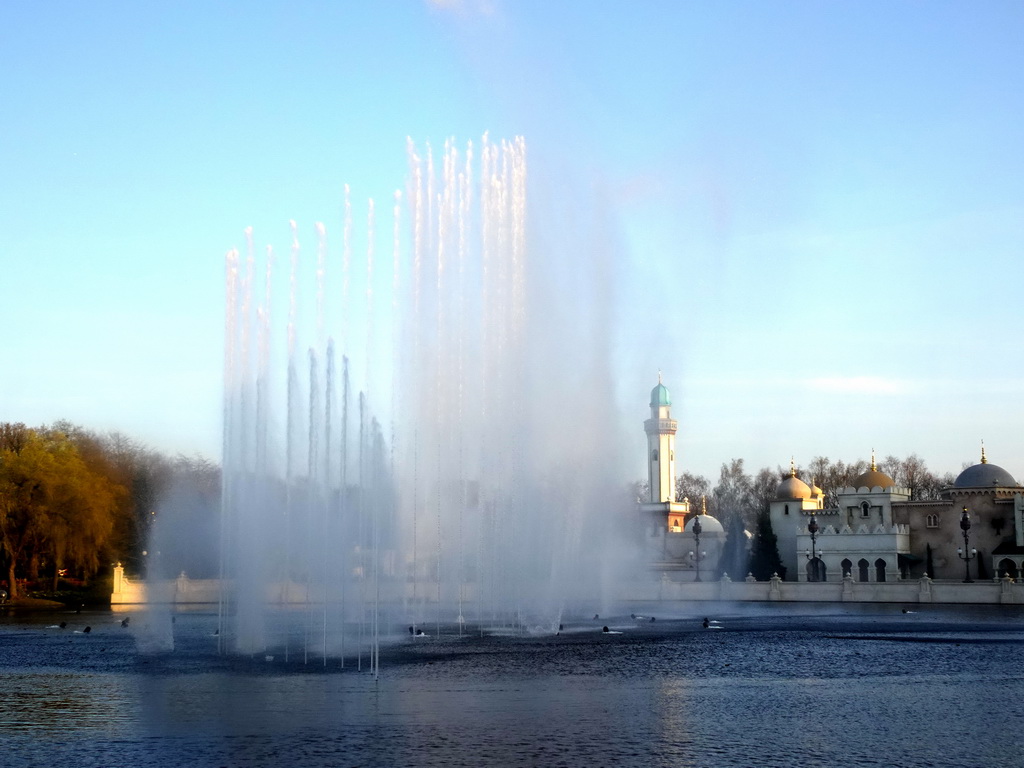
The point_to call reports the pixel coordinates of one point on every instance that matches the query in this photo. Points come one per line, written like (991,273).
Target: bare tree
(734,494)
(693,487)
(831,477)
(764,486)
(912,473)
(639,491)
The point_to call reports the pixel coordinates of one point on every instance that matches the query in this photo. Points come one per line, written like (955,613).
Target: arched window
(847,566)
(865,509)
(862,568)
(932,521)
(654,455)
(786,510)
(1007,568)
(815,570)
(879,569)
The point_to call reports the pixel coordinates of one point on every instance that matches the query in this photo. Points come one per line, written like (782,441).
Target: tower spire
(983,459)
(874,467)
(792,467)
(661,448)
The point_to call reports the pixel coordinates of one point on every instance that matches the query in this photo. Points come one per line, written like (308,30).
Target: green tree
(764,554)
(735,550)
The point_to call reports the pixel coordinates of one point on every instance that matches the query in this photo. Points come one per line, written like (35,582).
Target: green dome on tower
(660,395)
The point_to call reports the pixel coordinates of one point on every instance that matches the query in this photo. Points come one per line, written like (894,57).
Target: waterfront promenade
(666,589)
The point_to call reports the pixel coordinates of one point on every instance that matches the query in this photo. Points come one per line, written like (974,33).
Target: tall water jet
(465,472)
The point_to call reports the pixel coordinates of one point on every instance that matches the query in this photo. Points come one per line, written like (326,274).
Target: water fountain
(445,456)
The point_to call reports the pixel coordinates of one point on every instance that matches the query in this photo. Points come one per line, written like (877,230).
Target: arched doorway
(815,569)
(1007,568)
(862,570)
(879,569)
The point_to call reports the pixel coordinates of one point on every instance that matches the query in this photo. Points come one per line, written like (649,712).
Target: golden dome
(793,488)
(873,478)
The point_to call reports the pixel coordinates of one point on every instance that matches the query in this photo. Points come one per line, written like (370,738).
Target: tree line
(740,500)
(73,501)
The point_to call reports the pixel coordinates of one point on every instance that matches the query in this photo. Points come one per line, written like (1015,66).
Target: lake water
(776,685)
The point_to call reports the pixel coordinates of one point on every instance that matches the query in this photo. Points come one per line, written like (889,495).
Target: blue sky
(813,212)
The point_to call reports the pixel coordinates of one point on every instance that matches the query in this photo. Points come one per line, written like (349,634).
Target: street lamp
(696,555)
(812,556)
(965,554)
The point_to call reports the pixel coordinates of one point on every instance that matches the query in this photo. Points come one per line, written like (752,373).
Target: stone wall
(129,591)
(1003,591)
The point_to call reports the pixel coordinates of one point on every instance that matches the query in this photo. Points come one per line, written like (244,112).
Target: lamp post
(812,556)
(696,554)
(966,554)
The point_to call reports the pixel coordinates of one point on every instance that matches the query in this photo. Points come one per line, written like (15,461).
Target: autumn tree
(27,475)
(82,512)
(53,505)
(148,475)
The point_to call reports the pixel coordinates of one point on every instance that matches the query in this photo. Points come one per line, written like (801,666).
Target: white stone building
(876,533)
(689,549)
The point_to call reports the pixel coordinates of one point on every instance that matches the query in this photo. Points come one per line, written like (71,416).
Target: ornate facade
(876,533)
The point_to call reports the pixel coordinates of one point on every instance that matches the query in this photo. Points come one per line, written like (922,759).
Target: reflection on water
(52,703)
(782,687)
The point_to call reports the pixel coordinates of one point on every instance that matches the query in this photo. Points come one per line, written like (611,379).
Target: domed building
(859,538)
(793,488)
(873,480)
(876,533)
(984,475)
(994,504)
(699,547)
(795,505)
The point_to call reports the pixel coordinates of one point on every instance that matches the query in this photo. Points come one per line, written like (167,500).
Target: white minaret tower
(661,447)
